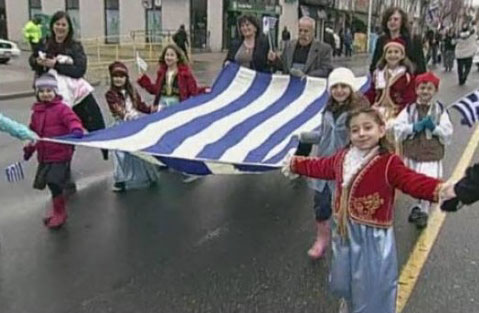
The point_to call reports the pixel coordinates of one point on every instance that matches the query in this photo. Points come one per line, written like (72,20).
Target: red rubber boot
(323,236)
(59,213)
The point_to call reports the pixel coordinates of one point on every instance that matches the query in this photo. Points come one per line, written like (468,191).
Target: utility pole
(370,17)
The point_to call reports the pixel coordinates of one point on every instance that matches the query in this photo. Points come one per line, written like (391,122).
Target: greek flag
(14,172)
(249,122)
(468,106)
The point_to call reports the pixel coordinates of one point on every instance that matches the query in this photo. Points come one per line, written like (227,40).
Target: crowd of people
(393,136)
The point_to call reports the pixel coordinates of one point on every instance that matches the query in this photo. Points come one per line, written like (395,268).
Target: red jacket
(186,83)
(116,103)
(401,92)
(369,198)
(53,119)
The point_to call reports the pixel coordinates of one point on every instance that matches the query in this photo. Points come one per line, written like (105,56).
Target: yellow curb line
(411,271)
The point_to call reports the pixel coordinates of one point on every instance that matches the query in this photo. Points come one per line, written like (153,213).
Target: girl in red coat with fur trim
(174,81)
(364,270)
(392,87)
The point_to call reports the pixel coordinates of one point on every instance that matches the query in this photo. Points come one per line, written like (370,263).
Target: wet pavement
(219,244)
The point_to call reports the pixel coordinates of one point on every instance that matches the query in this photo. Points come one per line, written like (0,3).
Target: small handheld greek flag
(14,172)
(468,106)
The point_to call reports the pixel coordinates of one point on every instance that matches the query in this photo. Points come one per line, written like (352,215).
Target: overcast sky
(475,2)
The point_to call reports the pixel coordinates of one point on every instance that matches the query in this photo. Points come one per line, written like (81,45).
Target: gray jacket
(318,63)
(331,137)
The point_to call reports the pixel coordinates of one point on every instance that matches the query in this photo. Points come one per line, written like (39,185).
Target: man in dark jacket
(304,56)
(465,191)
(181,39)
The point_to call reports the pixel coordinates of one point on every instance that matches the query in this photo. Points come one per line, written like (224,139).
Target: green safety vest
(32,32)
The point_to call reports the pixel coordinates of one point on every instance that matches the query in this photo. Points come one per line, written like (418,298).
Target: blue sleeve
(16,129)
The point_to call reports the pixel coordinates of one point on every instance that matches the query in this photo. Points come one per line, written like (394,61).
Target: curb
(29,93)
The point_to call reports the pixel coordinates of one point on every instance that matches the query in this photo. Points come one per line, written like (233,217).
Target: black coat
(413,51)
(87,110)
(467,189)
(74,50)
(260,53)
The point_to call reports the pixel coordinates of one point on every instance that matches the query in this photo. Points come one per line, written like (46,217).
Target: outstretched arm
(16,129)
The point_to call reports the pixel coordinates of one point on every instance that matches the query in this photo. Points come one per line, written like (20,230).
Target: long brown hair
(404,30)
(130,89)
(179,54)
(355,100)
(384,144)
(404,62)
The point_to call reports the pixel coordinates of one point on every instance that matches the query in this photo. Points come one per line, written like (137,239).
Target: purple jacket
(53,119)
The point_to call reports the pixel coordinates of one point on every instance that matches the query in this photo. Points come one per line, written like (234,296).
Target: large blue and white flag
(249,122)
(468,106)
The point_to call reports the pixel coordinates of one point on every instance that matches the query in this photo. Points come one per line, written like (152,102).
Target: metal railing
(147,44)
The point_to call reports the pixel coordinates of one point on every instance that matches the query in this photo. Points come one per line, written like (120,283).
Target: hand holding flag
(141,64)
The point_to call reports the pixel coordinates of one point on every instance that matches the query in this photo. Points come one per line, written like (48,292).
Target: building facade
(211,23)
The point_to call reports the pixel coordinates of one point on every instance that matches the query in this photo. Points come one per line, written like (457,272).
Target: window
(153,20)
(72,7)
(35,7)
(112,21)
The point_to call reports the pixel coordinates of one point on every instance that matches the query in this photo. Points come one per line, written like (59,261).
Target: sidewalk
(16,77)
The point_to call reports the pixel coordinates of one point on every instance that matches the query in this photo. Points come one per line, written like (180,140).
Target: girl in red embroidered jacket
(364,263)
(174,81)
(392,86)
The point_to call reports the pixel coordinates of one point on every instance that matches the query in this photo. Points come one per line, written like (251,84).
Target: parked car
(8,50)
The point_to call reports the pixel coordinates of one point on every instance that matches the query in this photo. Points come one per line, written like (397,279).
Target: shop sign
(238,5)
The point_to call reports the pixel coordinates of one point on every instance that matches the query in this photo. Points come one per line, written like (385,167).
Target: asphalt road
(220,244)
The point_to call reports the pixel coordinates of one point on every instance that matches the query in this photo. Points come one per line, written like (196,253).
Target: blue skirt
(364,269)
(133,171)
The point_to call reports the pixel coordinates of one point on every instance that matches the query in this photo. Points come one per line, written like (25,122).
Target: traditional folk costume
(129,170)
(423,151)
(392,90)
(171,87)
(364,268)
(332,136)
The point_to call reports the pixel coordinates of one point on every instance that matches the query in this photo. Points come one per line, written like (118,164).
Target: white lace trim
(381,75)
(354,161)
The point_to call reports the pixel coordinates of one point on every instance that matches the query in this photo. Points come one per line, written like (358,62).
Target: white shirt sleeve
(444,129)
(402,126)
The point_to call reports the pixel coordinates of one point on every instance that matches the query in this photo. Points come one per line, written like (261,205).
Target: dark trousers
(322,204)
(463,69)
(91,117)
(34,47)
(348,50)
(55,190)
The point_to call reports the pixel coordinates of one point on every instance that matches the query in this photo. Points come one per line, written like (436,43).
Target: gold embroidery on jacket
(366,206)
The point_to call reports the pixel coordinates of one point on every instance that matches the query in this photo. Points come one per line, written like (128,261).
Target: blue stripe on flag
(188,166)
(293,143)
(131,127)
(237,133)
(279,135)
(468,107)
(174,138)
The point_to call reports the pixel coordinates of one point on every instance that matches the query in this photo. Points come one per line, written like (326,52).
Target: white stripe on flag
(314,88)
(194,144)
(148,136)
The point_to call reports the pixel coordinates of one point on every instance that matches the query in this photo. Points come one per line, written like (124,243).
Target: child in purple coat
(52,118)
